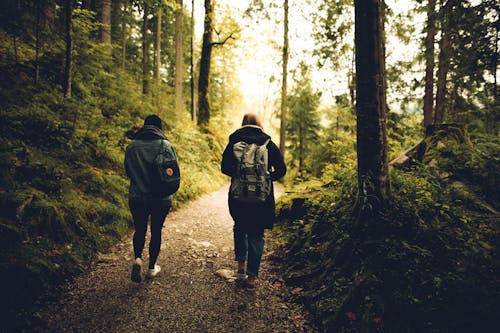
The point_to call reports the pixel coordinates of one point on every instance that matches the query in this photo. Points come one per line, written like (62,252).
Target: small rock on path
(187,295)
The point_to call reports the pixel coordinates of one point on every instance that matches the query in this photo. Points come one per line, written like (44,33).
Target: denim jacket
(139,156)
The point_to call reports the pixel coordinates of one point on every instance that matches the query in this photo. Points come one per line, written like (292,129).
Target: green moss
(427,266)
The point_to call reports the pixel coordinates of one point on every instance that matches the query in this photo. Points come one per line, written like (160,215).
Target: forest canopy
(386,113)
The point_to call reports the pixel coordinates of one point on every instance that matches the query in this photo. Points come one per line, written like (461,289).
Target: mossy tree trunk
(370,106)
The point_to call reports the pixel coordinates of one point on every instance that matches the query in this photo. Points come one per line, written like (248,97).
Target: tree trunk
(370,106)
(145,51)
(124,34)
(429,62)
(284,103)
(193,108)
(159,16)
(203,79)
(49,12)
(352,80)
(179,59)
(301,150)
(443,64)
(106,24)
(493,127)
(69,42)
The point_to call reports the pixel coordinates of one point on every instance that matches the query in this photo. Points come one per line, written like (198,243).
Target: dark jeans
(141,211)
(248,244)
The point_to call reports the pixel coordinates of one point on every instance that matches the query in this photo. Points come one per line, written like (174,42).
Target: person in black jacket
(148,142)
(250,219)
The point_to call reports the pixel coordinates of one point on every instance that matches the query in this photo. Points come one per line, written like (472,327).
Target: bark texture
(443,64)
(193,105)
(429,63)
(206,55)
(370,105)
(106,23)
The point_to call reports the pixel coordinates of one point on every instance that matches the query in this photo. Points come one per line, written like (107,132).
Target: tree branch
(220,42)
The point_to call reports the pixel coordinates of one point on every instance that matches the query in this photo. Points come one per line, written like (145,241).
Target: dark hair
(153,120)
(251,119)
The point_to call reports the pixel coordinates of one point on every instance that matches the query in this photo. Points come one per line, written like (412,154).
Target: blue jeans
(248,245)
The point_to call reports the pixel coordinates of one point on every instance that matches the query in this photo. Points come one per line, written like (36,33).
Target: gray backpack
(252,183)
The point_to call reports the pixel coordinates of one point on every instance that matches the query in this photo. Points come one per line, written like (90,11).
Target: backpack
(252,183)
(165,176)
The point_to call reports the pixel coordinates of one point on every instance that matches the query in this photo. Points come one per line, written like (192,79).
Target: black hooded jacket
(261,215)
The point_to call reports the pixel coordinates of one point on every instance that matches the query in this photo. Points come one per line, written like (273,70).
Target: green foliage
(403,132)
(63,190)
(426,265)
(303,122)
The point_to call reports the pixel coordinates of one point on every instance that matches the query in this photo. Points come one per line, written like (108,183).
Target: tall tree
(284,79)
(69,46)
(191,67)
(145,49)
(106,24)
(124,35)
(159,17)
(429,62)
(370,106)
(179,57)
(443,62)
(206,56)
(303,121)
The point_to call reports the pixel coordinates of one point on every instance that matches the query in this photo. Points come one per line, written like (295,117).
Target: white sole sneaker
(153,272)
(136,270)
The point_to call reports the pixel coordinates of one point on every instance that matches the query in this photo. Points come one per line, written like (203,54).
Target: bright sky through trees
(259,49)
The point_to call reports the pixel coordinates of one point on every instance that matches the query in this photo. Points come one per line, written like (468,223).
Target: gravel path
(187,295)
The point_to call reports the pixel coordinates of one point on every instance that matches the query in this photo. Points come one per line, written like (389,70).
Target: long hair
(251,119)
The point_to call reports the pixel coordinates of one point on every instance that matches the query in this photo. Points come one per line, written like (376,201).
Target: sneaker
(250,282)
(136,270)
(153,272)
(240,274)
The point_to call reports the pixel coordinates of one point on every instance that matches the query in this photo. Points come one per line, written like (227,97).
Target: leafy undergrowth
(63,190)
(430,264)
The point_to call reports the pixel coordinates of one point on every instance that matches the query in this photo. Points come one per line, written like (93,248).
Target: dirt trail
(186,296)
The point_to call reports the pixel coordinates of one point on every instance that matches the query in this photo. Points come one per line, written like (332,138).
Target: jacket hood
(149,132)
(249,134)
